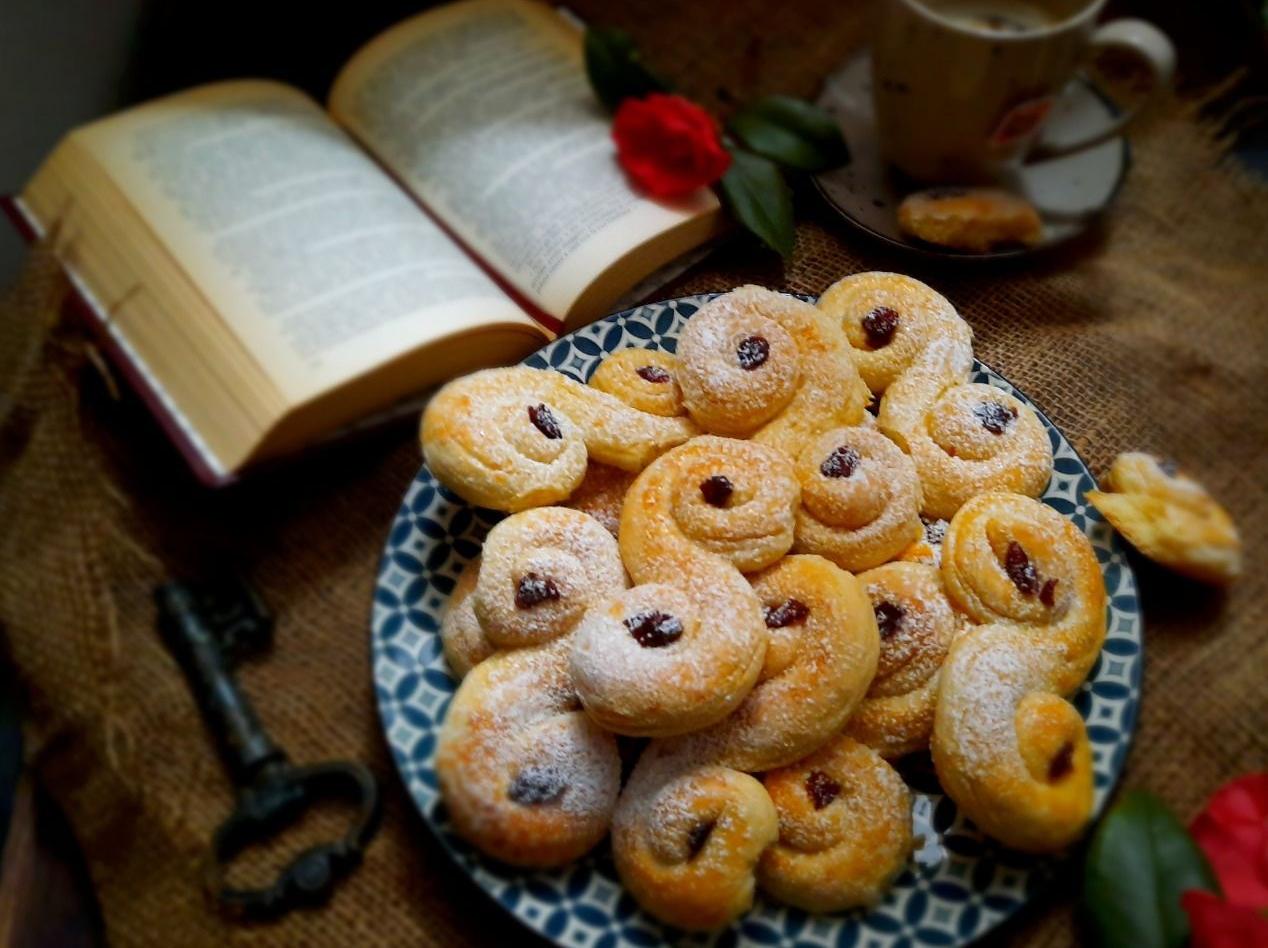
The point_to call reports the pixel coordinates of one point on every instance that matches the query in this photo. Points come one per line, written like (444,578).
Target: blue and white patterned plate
(959,886)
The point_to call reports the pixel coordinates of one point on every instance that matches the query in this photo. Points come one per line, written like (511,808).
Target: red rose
(1233,833)
(1215,923)
(668,145)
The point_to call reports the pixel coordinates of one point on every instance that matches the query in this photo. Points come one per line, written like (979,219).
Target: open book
(271,272)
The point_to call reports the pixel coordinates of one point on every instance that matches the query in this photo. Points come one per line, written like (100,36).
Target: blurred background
(67,62)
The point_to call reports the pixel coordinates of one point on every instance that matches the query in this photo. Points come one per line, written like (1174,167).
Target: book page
(315,258)
(484,111)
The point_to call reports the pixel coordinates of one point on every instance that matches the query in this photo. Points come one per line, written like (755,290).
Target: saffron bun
(928,547)
(461,637)
(890,321)
(601,494)
(540,571)
(515,438)
(1011,753)
(963,438)
(1010,559)
(800,547)
(860,498)
(526,776)
(682,648)
(763,365)
(973,219)
(820,657)
(1170,518)
(646,379)
(917,626)
(687,836)
(845,829)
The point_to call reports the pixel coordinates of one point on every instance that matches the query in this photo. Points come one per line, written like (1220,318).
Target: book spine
(84,306)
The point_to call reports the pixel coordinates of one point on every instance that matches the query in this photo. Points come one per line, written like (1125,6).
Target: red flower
(1215,923)
(1233,833)
(668,145)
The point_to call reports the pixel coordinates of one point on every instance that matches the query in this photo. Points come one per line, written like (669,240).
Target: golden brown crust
(687,836)
(541,569)
(737,657)
(526,776)
(920,317)
(927,548)
(973,219)
(1007,558)
(1013,755)
(964,438)
(601,494)
(461,635)
(764,365)
(844,829)
(819,659)
(918,626)
(860,499)
(683,648)
(481,441)
(646,379)
(1170,518)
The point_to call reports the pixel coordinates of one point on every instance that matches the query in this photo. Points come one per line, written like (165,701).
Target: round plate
(959,886)
(1068,192)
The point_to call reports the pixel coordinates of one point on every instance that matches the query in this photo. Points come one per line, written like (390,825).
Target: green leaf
(616,68)
(760,199)
(792,132)
(1140,861)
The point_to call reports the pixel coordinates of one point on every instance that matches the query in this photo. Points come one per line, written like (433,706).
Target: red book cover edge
(87,313)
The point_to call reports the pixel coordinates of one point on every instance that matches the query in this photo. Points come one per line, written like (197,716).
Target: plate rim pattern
(960,885)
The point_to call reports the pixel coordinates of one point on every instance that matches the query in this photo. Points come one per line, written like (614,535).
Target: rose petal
(1217,924)
(1233,833)
(667,145)
(1244,800)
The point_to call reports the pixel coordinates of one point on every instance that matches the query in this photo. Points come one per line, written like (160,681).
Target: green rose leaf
(792,132)
(760,199)
(1140,861)
(616,68)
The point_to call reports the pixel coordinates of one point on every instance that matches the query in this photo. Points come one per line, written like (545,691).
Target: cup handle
(1120,54)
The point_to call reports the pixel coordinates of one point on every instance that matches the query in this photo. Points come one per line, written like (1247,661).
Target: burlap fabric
(1153,334)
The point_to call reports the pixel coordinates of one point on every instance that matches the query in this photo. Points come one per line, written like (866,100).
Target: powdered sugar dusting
(516,715)
(999,731)
(847,852)
(1011,753)
(805,384)
(974,570)
(542,569)
(685,808)
(719,393)
(815,673)
(646,379)
(896,717)
(480,439)
(936,419)
(601,494)
(982,686)
(461,635)
(702,675)
(916,648)
(687,837)
(921,319)
(862,520)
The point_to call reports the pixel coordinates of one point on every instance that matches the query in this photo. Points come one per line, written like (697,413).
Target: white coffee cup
(963,89)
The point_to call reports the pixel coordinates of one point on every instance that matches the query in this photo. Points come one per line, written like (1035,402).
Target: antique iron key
(208,629)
